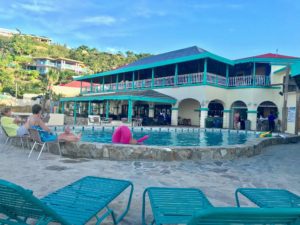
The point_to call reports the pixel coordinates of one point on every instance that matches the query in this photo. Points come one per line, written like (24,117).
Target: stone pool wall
(143,152)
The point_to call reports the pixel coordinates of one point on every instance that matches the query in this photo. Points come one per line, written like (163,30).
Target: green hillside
(17,52)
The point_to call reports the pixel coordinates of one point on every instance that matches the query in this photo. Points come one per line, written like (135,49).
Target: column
(205,71)
(103,84)
(203,116)
(176,75)
(75,112)
(107,109)
(152,77)
(133,80)
(62,107)
(91,86)
(226,118)
(252,116)
(80,87)
(117,82)
(227,75)
(129,110)
(174,117)
(254,74)
(90,108)
(151,110)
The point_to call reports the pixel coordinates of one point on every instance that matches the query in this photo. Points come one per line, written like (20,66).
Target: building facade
(189,86)
(44,64)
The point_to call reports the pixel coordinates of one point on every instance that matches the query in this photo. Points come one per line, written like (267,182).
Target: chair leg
(31,149)
(47,147)
(41,151)
(6,141)
(59,149)
(22,143)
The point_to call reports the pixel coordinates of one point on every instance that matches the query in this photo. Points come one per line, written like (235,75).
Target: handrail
(182,80)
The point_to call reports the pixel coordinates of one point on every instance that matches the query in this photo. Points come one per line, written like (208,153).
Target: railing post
(152,78)
(227,75)
(254,74)
(205,72)
(132,86)
(176,75)
(74,112)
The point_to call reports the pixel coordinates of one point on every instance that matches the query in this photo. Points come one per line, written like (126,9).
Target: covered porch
(127,106)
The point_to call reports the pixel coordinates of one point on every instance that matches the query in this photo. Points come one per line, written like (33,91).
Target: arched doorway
(188,112)
(239,107)
(215,114)
(265,109)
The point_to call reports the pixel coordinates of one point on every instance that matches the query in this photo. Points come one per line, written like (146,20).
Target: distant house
(44,64)
(9,33)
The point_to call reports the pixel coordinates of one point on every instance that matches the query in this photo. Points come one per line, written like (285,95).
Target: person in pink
(122,135)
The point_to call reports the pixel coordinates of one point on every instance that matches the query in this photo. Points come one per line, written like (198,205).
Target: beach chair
(75,204)
(94,120)
(174,205)
(10,138)
(247,216)
(269,198)
(35,136)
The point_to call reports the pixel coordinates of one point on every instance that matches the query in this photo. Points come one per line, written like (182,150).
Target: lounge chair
(10,138)
(269,198)
(94,120)
(35,136)
(174,205)
(75,204)
(247,216)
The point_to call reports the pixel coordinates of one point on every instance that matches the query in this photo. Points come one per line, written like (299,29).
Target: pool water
(171,138)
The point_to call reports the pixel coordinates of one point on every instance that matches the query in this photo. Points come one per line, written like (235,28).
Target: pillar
(252,116)
(151,110)
(91,86)
(176,74)
(174,117)
(203,116)
(117,82)
(205,71)
(80,87)
(129,110)
(62,107)
(254,74)
(107,109)
(152,77)
(226,118)
(75,112)
(133,78)
(90,108)
(227,75)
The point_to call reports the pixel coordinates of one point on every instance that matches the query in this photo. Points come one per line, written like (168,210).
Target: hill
(18,51)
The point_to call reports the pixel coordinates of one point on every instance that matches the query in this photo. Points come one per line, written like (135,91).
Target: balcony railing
(182,80)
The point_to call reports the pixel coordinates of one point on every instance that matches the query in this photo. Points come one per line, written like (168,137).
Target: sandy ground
(277,167)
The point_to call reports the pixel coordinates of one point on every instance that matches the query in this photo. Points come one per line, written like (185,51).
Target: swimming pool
(175,137)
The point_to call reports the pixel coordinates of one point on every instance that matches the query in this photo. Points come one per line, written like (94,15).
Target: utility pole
(285,98)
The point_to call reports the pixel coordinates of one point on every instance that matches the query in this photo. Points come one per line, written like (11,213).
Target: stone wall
(69,120)
(143,152)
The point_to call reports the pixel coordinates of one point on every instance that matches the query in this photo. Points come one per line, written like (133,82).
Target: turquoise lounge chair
(269,198)
(247,216)
(174,205)
(74,204)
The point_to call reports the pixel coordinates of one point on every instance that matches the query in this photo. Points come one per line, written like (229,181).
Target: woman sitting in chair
(35,122)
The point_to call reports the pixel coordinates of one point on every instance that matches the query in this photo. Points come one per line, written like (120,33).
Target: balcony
(182,80)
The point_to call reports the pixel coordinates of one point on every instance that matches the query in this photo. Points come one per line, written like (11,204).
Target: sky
(229,28)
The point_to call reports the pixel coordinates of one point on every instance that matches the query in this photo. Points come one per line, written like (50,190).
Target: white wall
(186,110)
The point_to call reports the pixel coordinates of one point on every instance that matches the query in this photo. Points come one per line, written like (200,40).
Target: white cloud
(100,20)
(37,6)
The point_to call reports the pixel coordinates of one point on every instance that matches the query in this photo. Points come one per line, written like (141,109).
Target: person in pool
(68,136)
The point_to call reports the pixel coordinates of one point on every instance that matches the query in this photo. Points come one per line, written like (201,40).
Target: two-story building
(44,64)
(187,86)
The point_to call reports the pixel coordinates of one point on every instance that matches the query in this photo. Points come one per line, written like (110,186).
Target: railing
(182,80)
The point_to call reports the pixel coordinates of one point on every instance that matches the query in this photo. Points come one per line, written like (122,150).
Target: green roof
(295,69)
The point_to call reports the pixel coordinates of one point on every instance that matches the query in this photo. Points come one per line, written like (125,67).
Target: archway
(239,107)
(265,109)
(215,114)
(188,112)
